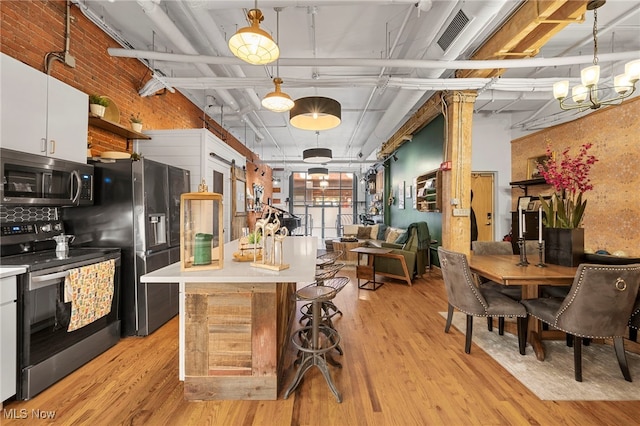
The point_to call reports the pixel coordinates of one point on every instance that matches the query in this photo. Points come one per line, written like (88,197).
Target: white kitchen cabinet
(8,336)
(40,114)
(192,149)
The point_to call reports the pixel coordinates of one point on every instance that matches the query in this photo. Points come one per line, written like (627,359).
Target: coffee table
(346,247)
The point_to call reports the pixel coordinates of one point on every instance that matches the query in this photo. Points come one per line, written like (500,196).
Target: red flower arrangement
(570,179)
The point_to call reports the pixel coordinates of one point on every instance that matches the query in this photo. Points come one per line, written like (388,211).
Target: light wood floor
(400,368)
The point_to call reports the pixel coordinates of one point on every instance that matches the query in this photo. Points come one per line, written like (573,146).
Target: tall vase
(564,246)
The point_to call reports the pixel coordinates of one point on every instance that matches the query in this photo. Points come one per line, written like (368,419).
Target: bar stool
(308,340)
(321,276)
(328,258)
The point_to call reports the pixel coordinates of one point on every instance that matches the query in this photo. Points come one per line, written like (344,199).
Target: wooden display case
(428,191)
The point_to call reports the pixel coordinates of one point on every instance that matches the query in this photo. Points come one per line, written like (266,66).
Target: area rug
(552,379)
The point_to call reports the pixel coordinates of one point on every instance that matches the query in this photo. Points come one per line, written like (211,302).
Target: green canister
(202,251)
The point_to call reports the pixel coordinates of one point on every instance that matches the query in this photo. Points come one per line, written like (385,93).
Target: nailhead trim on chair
(476,293)
(573,294)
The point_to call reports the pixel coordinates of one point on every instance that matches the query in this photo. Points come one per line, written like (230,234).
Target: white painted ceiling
(314,39)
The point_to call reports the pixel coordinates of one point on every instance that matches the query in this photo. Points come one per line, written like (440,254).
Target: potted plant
(136,122)
(563,212)
(98,104)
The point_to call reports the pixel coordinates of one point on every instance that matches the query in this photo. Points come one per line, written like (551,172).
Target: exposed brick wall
(612,214)
(31,29)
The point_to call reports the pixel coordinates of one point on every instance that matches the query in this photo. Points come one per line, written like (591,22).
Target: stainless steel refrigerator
(136,208)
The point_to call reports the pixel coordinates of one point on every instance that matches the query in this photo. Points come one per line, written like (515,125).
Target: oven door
(47,350)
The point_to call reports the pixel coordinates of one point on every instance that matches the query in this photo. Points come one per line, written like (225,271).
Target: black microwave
(29,179)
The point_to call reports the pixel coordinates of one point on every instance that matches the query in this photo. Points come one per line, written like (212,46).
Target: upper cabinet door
(23,107)
(67,121)
(42,115)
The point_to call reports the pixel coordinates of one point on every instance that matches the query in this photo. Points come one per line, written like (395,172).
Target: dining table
(506,270)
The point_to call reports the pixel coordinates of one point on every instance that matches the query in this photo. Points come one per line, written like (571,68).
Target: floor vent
(453,30)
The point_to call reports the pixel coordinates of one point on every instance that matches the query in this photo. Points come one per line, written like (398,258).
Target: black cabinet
(531,221)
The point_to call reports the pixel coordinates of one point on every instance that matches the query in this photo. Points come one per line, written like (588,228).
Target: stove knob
(46,228)
(57,227)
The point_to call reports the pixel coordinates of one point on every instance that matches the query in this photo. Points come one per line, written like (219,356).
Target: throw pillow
(401,236)
(363,232)
(392,236)
(374,232)
(381,231)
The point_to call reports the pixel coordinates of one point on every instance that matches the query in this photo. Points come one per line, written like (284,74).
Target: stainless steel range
(55,339)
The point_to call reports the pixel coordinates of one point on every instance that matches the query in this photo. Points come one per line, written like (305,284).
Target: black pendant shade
(318,171)
(317,155)
(315,113)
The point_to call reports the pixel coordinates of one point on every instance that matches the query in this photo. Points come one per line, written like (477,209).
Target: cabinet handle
(53,147)
(43,145)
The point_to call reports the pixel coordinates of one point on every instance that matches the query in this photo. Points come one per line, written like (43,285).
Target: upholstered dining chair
(598,306)
(465,296)
(634,320)
(512,291)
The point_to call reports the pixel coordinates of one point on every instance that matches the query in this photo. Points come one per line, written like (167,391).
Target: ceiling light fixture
(277,101)
(318,172)
(315,113)
(317,155)
(623,84)
(252,44)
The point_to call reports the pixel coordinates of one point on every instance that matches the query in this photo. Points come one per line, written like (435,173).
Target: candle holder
(523,253)
(541,263)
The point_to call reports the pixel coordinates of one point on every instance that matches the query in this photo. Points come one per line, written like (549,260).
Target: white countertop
(9,271)
(299,252)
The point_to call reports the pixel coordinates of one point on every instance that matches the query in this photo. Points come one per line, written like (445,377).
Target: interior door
(219,188)
(482,204)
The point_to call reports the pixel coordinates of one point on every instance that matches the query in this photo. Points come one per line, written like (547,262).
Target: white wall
(491,152)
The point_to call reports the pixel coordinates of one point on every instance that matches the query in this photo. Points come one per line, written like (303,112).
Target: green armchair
(409,260)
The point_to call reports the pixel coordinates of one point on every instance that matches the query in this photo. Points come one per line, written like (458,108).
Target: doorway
(483,204)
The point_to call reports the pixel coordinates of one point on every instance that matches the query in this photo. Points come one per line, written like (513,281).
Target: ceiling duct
(454,29)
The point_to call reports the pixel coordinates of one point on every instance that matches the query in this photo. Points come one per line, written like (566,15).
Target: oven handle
(45,280)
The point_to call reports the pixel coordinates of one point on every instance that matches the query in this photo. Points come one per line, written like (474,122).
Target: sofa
(416,260)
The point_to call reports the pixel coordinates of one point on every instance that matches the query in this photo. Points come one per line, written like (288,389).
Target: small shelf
(525,184)
(428,192)
(529,182)
(116,128)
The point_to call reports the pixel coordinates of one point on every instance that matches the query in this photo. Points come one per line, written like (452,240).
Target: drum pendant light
(252,44)
(317,155)
(317,172)
(315,113)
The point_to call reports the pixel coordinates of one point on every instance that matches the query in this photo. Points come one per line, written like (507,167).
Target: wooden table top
(503,269)
(371,250)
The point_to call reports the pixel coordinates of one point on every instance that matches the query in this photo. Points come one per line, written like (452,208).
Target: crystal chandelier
(588,95)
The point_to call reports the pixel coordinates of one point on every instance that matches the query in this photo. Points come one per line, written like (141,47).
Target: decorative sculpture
(272,240)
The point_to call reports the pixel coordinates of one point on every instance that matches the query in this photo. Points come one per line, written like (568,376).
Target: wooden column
(456,183)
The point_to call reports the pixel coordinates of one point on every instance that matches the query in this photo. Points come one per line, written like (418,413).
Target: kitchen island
(235,322)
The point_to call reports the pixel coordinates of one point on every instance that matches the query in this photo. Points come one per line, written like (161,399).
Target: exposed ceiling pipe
(424,5)
(380,74)
(165,24)
(402,104)
(213,35)
(377,63)
(501,84)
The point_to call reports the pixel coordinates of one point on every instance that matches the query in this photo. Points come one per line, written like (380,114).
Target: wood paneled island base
(235,339)
(236,322)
